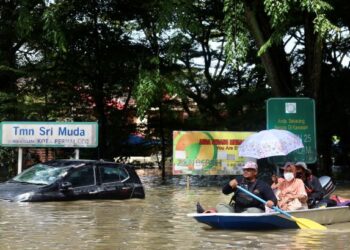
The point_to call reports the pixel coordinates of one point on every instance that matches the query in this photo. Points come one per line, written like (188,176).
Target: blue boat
(273,220)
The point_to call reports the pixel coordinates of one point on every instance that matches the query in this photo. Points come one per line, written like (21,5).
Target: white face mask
(288,176)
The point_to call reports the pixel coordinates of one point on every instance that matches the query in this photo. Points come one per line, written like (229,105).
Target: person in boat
(276,181)
(312,184)
(243,203)
(291,193)
(340,201)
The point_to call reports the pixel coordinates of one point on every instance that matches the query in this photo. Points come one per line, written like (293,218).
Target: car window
(111,173)
(84,176)
(41,174)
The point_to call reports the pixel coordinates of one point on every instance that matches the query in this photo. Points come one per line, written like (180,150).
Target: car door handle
(93,192)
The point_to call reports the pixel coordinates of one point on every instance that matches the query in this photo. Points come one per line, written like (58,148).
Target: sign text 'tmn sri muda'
(49,134)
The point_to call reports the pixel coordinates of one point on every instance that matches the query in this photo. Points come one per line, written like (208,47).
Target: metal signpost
(48,134)
(298,116)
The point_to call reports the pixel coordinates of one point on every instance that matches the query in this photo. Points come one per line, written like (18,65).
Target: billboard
(207,152)
(49,134)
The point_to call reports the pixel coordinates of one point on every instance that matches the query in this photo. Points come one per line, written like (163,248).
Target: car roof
(74,162)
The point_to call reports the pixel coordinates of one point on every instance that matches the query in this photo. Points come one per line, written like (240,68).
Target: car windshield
(41,174)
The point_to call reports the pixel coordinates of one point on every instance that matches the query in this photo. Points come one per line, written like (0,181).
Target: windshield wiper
(26,182)
(13,181)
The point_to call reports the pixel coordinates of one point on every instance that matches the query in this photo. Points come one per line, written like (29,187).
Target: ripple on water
(157,222)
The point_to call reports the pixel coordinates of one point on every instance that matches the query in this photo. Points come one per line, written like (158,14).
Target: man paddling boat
(242,201)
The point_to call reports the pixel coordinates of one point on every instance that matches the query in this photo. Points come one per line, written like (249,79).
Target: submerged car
(62,180)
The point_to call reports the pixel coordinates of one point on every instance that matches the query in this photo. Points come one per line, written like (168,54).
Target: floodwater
(157,222)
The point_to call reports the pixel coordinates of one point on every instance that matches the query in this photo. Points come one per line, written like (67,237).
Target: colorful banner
(207,152)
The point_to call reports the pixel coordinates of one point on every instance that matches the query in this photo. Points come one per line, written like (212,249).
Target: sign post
(296,115)
(20,160)
(48,134)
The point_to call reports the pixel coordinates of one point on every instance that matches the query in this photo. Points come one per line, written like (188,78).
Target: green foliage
(323,26)
(275,38)
(236,33)
(279,12)
(147,91)
(53,27)
(8,107)
(29,17)
(152,88)
(8,165)
(72,59)
(5,69)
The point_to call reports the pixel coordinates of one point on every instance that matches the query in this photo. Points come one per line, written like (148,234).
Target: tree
(19,25)
(92,54)
(212,62)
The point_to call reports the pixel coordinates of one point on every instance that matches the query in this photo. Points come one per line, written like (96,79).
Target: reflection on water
(158,222)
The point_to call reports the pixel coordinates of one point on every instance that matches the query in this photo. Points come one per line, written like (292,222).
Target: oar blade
(308,224)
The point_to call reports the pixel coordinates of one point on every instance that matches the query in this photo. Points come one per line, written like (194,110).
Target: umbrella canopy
(271,142)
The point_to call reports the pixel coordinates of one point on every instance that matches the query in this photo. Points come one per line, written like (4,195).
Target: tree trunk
(97,88)
(313,59)
(274,59)
(162,137)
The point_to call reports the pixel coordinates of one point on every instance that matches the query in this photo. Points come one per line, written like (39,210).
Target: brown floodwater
(157,222)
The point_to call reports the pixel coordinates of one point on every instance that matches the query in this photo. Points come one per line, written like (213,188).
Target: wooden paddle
(301,222)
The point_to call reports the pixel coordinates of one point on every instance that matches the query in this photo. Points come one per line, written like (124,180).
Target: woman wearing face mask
(291,193)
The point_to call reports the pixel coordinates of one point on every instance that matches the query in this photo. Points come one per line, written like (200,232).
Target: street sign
(49,134)
(298,116)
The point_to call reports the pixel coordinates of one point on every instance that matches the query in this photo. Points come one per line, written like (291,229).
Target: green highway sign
(298,116)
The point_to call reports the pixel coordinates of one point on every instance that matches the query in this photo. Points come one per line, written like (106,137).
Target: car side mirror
(65,186)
